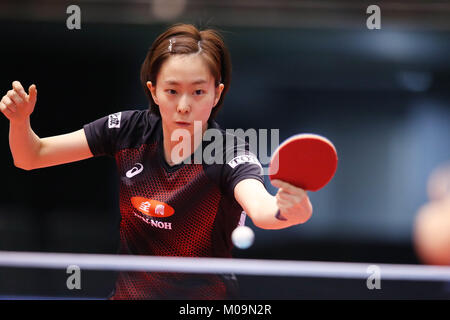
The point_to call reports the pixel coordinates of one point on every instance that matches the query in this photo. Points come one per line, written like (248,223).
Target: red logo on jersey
(152,208)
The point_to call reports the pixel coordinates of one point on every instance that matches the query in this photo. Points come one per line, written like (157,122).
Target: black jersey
(184,210)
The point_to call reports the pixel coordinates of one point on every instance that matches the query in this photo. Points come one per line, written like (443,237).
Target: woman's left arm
(292,203)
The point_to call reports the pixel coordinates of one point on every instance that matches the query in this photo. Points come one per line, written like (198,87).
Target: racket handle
(279,216)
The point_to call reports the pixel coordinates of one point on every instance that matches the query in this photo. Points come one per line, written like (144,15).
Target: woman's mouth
(182,123)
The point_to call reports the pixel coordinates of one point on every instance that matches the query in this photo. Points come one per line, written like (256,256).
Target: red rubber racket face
(307,161)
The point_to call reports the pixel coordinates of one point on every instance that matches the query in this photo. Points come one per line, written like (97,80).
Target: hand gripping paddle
(307,161)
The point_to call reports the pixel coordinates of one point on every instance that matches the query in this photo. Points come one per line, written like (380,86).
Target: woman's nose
(183,105)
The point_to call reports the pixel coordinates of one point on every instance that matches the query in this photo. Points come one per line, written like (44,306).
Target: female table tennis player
(168,208)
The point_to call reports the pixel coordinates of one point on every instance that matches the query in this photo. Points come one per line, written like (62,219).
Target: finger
(14,96)
(289,188)
(284,201)
(289,197)
(285,185)
(9,104)
(32,94)
(5,110)
(283,207)
(288,203)
(17,86)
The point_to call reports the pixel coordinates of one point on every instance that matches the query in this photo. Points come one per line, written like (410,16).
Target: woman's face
(185,92)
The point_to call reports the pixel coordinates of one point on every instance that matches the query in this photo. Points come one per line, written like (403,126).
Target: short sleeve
(100,134)
(240,164)
(105,136)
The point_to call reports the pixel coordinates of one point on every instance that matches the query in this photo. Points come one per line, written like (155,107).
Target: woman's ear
(152,90)
(219,90)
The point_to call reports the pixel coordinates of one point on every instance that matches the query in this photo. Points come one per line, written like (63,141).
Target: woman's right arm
(28,150)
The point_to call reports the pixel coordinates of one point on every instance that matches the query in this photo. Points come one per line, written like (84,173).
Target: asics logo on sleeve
(135,170)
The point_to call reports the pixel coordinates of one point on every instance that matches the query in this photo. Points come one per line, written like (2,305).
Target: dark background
(382,97)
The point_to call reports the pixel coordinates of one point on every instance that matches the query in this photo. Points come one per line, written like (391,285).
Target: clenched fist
(17,105)
(293,202)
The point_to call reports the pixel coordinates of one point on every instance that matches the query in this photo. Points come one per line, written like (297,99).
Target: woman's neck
(186,142)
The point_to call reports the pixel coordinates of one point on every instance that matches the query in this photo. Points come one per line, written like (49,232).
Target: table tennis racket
(307,161)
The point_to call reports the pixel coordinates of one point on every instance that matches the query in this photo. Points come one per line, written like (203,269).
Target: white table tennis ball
(243,237)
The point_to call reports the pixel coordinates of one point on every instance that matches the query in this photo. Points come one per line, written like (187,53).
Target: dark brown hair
(187,39)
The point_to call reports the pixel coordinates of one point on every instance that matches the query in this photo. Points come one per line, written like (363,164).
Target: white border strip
(256,267)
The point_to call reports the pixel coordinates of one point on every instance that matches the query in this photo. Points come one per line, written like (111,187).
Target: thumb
(32,94)
(276,183)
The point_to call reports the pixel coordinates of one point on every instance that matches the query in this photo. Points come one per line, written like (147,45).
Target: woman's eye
(199,92)
(171,91)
